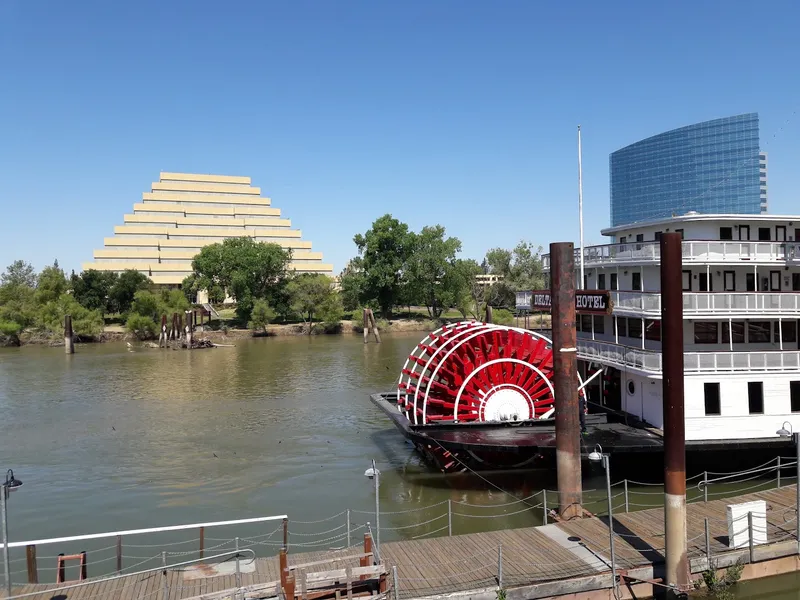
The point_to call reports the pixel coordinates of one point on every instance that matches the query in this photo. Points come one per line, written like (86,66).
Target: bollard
(238,568)
(33,571)
(625,482)
(779,470)
(286,534)
(69,339)
(708,543)
(449,517)
(750,535)
(348,528)
(202,541)
(165,588)
(395,584)
(119,554)
(500,566)
(544,506)
(705,486)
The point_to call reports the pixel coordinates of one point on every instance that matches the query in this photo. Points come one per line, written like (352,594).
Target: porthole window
(631,387)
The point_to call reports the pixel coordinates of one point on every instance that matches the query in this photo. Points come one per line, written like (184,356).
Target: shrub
(142,327)
(501,316)
(261,315)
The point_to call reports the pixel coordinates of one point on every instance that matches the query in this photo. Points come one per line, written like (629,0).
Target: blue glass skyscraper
(711,167)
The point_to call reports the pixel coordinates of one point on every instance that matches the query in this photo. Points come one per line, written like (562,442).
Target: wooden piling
(162,337)
(119,554)
(69,340)
(202,541)
(488,314)
(188,329)
(33,571)
(365,317)
(374,326)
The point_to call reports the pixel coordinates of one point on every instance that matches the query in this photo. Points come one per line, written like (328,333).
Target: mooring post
(779,470)
(394,583)
(544,506)
(374,326)
(705,486)
(500,566)
(165,587)
(202,541)
(625,483)
(489,315)
(189,329)
(750,542)
(119,554)
(286,534)
(449,517)
(162,338)
(238,568)
(283,564)
(30,555)
(348,527)
(677,564)
(707,531)
(568,441)
(365,318)
(69,340)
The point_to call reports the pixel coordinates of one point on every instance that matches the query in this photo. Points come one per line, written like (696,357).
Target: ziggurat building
(184,212)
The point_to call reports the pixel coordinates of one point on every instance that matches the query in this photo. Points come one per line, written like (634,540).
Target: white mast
(580,206)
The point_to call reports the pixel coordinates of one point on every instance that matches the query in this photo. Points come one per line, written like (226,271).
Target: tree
(261,316)
(125,287)
(311,294)
(351,284)
(50,284)
(248,270)
(473,297)
(85,323)
(384,250)
(91,289)
(19,273)
(433,274)
(519,269)
(146,304)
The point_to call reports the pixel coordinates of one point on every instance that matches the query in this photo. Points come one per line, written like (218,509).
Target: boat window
(687,281)
(755,397)
(599,324)
(750,282)
(726,233)
(631,387)
(635,328)
(622,326)
(636,281)
(785,330)
(775,281)
(729,281)
(737,327)
(794,395)
(711,391)
(652,330)
(706,332)
(614,281)
(764,234)
(758,332)
(679,231)
(601,281)
(586,323)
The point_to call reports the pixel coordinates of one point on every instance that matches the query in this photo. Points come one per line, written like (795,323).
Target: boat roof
(688,217)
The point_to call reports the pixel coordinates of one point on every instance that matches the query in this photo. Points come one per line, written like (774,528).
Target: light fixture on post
(785,432)
(597,455)
(374,474)
(11,483)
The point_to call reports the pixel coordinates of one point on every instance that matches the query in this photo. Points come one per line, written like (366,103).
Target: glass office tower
(711,167)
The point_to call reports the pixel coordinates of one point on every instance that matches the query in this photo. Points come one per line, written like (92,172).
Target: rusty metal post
(69,338)
(33,571)
(119,554)
(565,379)
(677,564)
(202,541)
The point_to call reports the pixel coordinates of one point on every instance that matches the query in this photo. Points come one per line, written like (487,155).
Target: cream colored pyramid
(184,212)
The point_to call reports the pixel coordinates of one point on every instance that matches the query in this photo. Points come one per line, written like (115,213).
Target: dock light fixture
(786,432)
(597,455)
(11,483)
(374,474)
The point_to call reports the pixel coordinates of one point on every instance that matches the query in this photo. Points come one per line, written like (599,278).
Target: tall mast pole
(581,284)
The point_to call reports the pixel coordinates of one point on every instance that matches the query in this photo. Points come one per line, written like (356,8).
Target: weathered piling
(565,379)
(489,316)
(162,337)
(69,339)
(677,564)
(370,326)
(189,326)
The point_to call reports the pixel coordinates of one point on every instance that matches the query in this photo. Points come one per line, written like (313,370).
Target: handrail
(152,570)
(95,536)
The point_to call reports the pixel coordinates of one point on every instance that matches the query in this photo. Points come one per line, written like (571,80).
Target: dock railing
(130,551)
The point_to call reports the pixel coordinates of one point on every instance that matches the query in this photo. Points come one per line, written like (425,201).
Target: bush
(501,316)
(261,315)
(142,327)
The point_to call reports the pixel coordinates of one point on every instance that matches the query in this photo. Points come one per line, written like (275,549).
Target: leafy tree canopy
(313,297)
(434,275)
(92,288)
(19,274)
(125,287)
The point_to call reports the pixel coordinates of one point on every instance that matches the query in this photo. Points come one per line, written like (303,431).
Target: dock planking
(439,565)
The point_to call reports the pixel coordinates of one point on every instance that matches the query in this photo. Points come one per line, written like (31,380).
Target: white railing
(767,361)
(693,251)
(721,303)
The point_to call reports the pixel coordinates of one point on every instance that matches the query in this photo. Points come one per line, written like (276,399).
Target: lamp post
(597,455)
(9,484)
(787,433)
(375,474)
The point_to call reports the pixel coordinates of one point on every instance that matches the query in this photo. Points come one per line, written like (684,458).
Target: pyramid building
(183,212)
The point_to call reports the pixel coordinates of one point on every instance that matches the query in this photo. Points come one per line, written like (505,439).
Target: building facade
(714,167)
(183,212)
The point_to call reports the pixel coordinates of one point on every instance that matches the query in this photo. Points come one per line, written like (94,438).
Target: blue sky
(450,112)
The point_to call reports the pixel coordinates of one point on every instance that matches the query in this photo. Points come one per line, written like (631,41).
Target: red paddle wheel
(477,372)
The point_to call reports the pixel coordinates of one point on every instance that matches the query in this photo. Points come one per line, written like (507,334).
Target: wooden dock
(530,562)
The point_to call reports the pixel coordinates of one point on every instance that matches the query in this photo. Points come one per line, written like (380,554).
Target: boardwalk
(529,556)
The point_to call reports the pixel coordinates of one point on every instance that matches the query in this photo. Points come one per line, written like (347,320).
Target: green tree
(51,284)
(520,269)
(261,315)
(85,323)
(248,270)
(351,284)
(19,274)
(172,301)
(142,327)
(312,294)
(92,288)
(146,304)
(384,250)
(434,274)
(125,287)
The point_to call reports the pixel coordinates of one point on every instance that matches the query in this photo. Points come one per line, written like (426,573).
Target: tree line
(395,267)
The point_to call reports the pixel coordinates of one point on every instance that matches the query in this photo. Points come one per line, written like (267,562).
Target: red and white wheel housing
(478,372)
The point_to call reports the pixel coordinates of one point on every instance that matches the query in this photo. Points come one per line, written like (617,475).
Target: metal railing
(649,361)
(693,251)
(716,303)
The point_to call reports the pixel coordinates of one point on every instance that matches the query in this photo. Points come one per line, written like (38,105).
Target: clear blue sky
(450,112)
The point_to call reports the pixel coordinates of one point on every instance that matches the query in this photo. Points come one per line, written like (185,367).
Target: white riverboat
(741,308)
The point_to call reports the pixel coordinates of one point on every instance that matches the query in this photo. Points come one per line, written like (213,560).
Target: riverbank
(220,332)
